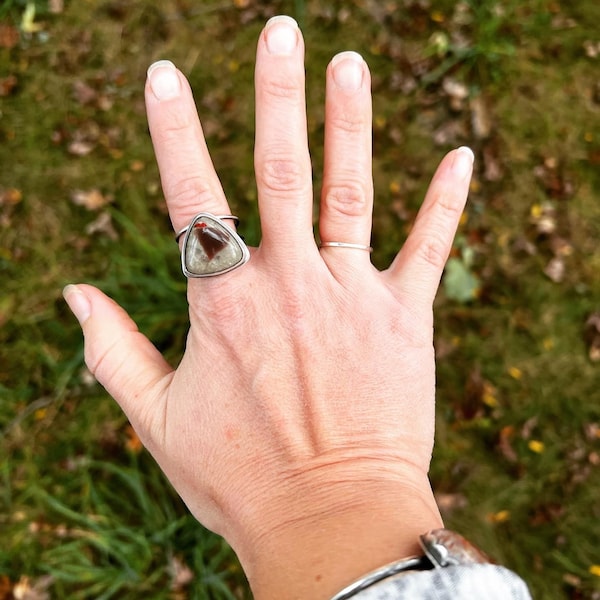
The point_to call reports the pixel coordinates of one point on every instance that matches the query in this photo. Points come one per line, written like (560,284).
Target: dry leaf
(5,588)
(481,121)
(56,6)
(448,503)
(555,181)
(10,196)
(84,93)
(32,590)
(91,199)
(492,167)
(592,430)
(592,49)
(449,133)
(181,574)
(457,92)
(572,580)
(80,148)
(9,36)
(592,336)
(544,217)
(555,269)
(103,224)
(504,443)
(7,85)
(528,427)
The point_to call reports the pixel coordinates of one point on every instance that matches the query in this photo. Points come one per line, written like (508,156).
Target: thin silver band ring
(184,230)
(345,245)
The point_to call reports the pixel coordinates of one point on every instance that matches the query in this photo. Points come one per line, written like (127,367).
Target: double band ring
(345,245)
(211,247)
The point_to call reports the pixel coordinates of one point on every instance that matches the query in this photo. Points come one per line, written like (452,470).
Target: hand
(299,424)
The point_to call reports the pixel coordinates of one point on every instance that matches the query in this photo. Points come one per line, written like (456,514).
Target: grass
(84,512)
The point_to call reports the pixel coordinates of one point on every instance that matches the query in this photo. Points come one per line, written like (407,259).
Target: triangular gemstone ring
(210,247)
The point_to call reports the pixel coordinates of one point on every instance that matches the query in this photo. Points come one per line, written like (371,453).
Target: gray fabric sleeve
(461,582)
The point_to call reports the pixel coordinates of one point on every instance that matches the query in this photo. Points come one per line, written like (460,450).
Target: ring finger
(347,195)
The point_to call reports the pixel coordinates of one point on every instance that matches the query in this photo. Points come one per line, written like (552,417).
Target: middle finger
(281,157)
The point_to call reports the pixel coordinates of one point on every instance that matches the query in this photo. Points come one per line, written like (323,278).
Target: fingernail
(164,80)
(463,162)
(348,70)
(78,302)
(281,35)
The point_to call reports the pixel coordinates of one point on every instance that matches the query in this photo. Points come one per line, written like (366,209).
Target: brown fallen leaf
(9,36)
(91,199)
(56,6)
(181,574)
(507,433)
(592,336)
(26,589)
(592,431)
(591,48)
(7,85)
(557,183)
(456,91)
(5,588)
(492,166)
(449,503)
(472,405)
(481,120)
(10,196)
(543,216)
(103,224)
(84,93)
(80,148)
(528,427)
(555,270)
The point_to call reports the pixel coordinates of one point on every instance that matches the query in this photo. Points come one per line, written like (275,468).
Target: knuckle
(98,361)
(296,307)
(176,122)
(190,193)
(446,205)
(346,122)
(350,200)
(282,88)
(433,250)
(278,173)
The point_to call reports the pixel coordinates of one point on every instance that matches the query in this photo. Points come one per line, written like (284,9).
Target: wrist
(335,533)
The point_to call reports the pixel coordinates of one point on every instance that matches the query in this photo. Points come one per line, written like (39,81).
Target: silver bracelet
(441,547)
(414,563)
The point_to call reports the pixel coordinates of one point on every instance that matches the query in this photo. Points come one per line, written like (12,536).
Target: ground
(84,512)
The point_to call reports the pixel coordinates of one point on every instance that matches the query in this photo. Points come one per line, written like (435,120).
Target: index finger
(190,183)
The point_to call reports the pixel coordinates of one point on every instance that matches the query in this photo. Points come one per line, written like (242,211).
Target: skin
(299,424)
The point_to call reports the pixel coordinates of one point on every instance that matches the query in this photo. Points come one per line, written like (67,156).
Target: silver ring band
(184,230)
(345,245)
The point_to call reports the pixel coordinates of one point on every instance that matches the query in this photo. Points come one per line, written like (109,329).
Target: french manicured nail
(462,164)
(78,303)
(281,35)
(164,80)
(348,70)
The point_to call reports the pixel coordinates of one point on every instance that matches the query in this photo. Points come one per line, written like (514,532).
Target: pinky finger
(417,269)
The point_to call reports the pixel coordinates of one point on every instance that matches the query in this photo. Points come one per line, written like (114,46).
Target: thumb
(122,359)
